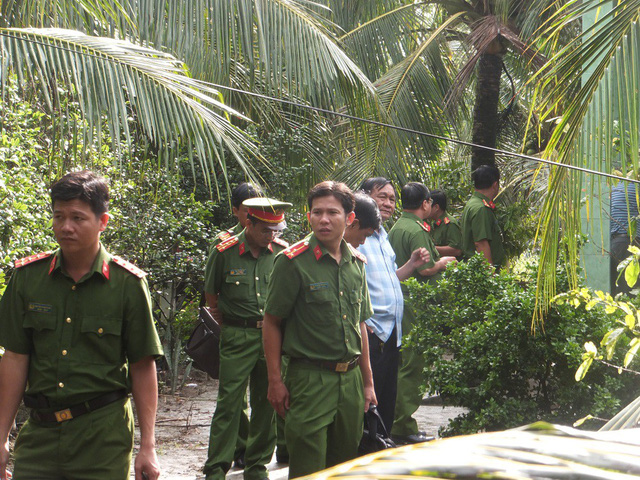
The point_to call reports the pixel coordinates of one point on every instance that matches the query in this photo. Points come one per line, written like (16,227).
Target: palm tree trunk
(485,110)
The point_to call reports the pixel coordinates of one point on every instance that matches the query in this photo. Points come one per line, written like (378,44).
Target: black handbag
(372,440)
(204,343)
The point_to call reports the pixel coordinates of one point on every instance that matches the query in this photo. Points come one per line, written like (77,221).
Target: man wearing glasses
(236,280)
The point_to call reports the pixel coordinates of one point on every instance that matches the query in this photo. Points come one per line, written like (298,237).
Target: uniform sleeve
(366,311)
(141,337)
(454,236)
(13,336)
(213,272)
(284,288)
(422,239)
(482,225)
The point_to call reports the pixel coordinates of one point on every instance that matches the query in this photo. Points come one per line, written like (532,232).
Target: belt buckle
(63,415)
(342,367)
(259,324)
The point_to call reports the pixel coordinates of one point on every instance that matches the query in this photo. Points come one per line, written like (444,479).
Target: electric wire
(349,116)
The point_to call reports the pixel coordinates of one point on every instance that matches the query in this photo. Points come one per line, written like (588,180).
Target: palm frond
(118,79)
(385,40)
(603,107)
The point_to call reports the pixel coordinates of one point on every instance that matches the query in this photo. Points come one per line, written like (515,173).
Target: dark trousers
(384,358)
(619,251)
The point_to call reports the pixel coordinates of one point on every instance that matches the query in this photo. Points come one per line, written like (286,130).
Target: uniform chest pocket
(43,328)
(355,296)
(100,340)
(40,321)
(318,296)
(236,287)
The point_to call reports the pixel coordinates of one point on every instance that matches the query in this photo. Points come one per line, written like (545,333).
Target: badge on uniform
(238,272)
(314,287)
(40,307)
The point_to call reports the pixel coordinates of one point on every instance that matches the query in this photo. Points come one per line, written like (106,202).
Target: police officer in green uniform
(237,276)
(480,230)
(79,334)
(446,232)
(319,286)
(243,191)
(410,232)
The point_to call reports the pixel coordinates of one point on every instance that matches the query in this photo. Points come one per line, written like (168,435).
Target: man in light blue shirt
(383,281)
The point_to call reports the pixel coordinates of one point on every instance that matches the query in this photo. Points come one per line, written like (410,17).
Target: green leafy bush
(475,331)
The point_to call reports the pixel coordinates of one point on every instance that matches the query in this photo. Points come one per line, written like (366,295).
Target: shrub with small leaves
(475,330)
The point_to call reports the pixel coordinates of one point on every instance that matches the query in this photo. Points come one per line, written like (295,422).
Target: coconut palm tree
(155,62)
(424,55)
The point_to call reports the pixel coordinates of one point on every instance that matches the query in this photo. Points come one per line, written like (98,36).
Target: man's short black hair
(484,176)
(337,190)
(413,194)
(85,186)
(370,184)
(242,192)
(439,198)
(367,212)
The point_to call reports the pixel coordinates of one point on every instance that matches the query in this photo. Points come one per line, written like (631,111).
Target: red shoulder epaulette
(447,221)
(128,266)
(489,204)
(281,242)
(357,254)
(32,258)
(425,226)
(229,242)
(297,248)
(225,234)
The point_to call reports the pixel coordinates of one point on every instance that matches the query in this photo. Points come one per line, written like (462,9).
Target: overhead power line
(351,117)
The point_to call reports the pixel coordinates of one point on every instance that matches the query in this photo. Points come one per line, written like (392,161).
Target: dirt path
(182,431)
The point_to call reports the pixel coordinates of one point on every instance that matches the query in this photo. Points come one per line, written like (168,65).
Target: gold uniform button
(64,352)
(344,317)
(257,278)
(260,310)
(341,293)
(73,288)
(237,283)
(61,385)
(100,330)
(258,294)
(68,320)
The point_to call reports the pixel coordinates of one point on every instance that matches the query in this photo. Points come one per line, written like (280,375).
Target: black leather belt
(255,322)
(74,411)
(339,367)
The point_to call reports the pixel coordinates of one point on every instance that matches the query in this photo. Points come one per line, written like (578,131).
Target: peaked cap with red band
(267,210)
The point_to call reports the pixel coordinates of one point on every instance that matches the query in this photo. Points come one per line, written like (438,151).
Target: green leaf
(577,423)
(583,368)
(631,273)
(631,353)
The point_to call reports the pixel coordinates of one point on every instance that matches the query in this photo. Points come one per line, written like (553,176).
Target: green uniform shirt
(479,222)
(240,279)
(323,302)
(80,336)
(446,232)
(409,233)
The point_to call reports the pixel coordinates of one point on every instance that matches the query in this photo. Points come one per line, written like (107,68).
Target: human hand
(369,397)
(278,396)
(419,257)
(146,465)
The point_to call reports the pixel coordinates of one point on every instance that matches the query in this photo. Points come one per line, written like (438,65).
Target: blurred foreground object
(536,451)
